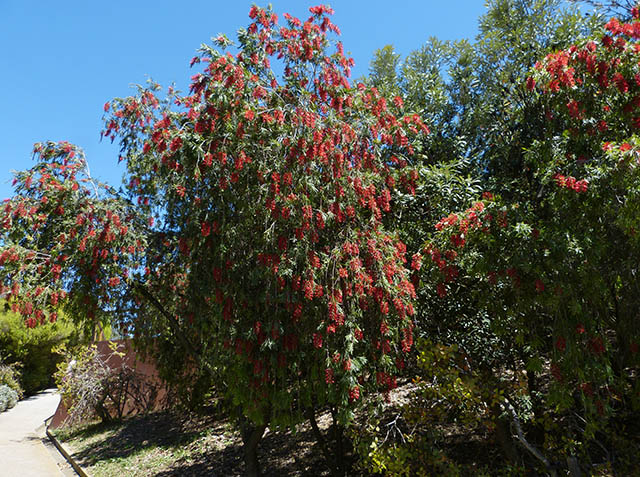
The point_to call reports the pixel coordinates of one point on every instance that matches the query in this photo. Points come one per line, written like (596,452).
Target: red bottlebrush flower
(114,281)
(613,26)
(442,290)
(317,340)
(574,109)
(571,181)
(458,240)
(586,389)
(205,229)
(176,144)
(624,147)
(531,83)
(539,286)
(358,334)
(106,106)
(314,260)
(555,372)
(603,126)
(621,82)
(596,345)
(346,365)
(416,261)
(450,255)
(580,328)
(328,376)
(581,186)
(561,181)
(561,344)
(354,393)
(282,243)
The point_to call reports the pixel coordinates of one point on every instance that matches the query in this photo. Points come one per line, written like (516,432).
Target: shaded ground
(166,445)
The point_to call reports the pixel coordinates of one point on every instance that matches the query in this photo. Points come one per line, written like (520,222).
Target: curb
(79,470)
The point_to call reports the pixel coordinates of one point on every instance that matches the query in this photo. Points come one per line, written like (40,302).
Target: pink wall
(150,381)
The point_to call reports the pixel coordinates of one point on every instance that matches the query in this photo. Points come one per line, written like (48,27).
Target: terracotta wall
(146,371)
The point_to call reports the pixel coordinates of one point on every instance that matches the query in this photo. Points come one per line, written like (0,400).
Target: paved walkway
(24,451)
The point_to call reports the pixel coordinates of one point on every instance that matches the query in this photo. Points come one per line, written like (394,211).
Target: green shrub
(10,376)
(31,349)
(8,397)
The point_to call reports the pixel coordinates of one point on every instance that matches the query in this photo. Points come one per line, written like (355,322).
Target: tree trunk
(311,413)
(251,436)
(338,432)
(503,436)
(334,455)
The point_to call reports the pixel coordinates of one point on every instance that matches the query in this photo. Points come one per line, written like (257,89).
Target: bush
(10,376)
(92,387)
(31,349)
(8,397)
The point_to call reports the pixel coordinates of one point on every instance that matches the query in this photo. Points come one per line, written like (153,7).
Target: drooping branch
(171,320)
(526,444)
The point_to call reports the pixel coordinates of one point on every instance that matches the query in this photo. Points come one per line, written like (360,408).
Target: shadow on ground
(201,446)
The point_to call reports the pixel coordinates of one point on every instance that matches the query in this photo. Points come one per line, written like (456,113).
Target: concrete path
(24,449)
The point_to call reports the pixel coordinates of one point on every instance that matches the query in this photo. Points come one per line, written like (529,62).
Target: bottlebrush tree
(557,275)
(257,238)
(66,240)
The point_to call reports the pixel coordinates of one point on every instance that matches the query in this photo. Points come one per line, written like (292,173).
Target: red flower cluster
(570,182)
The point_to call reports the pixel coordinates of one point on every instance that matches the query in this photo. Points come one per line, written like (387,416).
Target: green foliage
(537,281)
(10,376)
(31,349)
(273,262)
(452,397)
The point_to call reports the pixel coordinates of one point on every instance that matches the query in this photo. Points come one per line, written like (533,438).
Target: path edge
(66,454)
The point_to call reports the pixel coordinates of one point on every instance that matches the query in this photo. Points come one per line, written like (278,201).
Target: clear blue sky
(61,60)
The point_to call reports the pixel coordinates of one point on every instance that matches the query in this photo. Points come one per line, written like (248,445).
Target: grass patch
(170,445)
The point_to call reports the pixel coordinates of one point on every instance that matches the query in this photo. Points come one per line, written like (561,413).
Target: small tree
(271,191)
(268,261)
